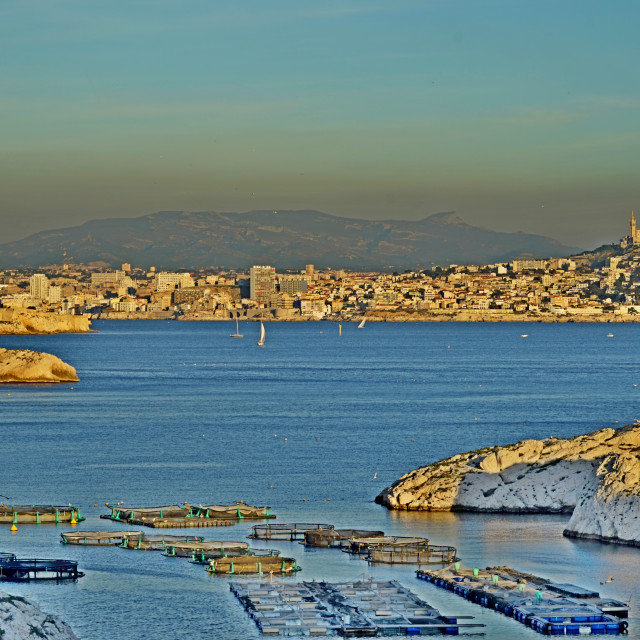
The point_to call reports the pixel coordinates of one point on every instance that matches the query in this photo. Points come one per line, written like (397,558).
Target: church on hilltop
(633,239)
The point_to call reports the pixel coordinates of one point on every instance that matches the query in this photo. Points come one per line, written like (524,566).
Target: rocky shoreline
(19,619)
(27,322)
(385,316)
(24,365)
(594,477)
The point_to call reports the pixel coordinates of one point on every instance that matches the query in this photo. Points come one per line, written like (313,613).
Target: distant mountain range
(284,239)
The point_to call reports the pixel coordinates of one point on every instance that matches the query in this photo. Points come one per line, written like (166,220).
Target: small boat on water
(262,335)
(237,334)
(361,325)
(524,335)
(609,335)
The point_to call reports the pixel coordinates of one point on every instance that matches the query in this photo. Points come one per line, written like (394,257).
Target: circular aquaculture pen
(411,554)
(288,531)
(362,545)
(25,570)
(337,538)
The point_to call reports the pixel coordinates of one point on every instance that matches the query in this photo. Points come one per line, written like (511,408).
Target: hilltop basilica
(633,239)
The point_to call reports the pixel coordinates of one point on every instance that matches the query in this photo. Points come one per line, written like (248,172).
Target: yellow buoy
(14,528)
(73,521)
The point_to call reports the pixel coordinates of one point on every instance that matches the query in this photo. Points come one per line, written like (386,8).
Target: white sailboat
(361,325)
(262,335)
(237,334)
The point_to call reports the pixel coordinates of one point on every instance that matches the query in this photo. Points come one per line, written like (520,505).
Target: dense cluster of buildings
(563,286)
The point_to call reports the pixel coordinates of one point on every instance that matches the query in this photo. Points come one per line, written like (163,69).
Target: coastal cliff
(28,321)
(595,477)
(23,365)
(19,619)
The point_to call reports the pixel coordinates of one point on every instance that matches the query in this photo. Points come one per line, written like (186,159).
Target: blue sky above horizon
(516,115)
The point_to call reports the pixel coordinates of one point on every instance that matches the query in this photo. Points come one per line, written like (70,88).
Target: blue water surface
(314,424)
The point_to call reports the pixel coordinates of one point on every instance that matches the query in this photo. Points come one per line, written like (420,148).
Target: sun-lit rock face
(19,619)
(609,508)
(596,477)
(28,321)
(23,365)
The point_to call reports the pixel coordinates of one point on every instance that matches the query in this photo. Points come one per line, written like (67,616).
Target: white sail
(361,325)
(262,335)
(237,334)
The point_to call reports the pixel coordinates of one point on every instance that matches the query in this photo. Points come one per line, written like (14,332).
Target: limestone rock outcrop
(28,321)
(23,365)
(19,619)
(595,477)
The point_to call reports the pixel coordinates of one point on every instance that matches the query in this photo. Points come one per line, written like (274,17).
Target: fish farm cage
(547,609)
(361,546)
(156,542)
(38,514)
(360,609)
(411,554)
(212,549)
(253,565)
(142,515)
(288,531)
(13,569)
(205,557)
(337,538)
(97,538)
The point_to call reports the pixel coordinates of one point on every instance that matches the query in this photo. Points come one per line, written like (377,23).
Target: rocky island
(20,619)
(28,321)
(23,365)
(594,477)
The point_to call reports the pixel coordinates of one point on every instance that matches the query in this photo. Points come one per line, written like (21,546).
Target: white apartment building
(39,286)
(166,280)
(55,294)
(106,277)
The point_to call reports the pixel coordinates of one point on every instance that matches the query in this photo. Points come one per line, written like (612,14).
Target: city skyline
(519,117)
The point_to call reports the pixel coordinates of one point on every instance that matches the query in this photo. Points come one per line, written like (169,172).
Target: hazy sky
(516,114)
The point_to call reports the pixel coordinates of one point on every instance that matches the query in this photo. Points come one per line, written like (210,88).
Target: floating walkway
(546,608)
(352,609)
(38,514)
(289,531)
(13,569)
(234,565)
(175,516)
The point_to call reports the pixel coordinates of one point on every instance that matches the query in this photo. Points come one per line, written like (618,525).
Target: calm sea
(314,424)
